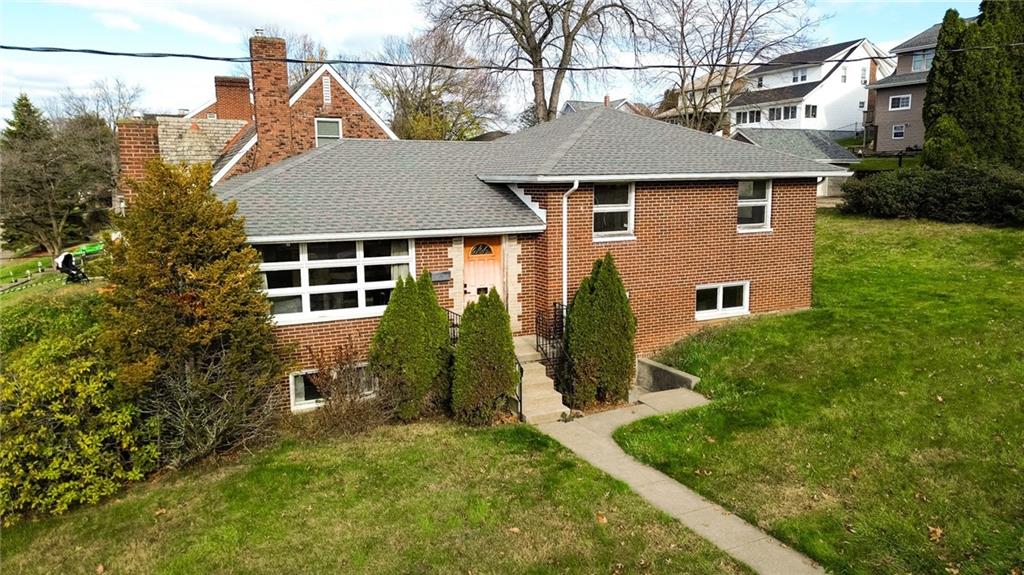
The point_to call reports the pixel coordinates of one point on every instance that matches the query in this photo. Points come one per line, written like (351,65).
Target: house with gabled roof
(702,229)
(821,88)
(817,145)
(244,128)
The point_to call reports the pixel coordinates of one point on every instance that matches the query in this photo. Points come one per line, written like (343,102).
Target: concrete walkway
(590,437)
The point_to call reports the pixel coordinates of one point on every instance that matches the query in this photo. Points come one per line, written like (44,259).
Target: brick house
(898,118)
(702,229)
(243,129)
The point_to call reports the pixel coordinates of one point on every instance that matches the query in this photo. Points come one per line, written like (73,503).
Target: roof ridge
(567,144)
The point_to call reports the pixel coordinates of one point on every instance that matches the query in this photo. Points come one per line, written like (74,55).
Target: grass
(883,430)
(17,269)
(885,163)
(422,498)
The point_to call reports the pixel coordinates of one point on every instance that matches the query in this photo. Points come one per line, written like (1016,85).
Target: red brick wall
(137,144)
(233,102)
(528,283)
(356,122)
(685,236)
(270,96)
(300,343)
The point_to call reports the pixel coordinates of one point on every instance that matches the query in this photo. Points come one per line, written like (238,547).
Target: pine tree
(485,362)
(438,340)
(187,321)
(946,145)
(600,336)
(944,91)
(26,124)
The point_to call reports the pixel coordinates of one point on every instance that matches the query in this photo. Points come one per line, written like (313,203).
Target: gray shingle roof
(810,144)
(191,140)
(793,92)
(582,105)
(810,55)
(926,39)
(375,186)
(235,147)
(901,80)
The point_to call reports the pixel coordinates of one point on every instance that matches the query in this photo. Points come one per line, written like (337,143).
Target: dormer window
(800,75)
(922,60)
(327,130)
(760,81)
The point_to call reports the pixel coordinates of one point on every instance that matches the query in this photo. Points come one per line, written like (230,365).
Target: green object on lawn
(89,249)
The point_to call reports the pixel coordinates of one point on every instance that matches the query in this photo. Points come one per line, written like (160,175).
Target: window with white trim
(327,130)
(760,81)
(898,131)
(774,114)
(789,113)
(800,75)
(613,210)
(754,205)
(755,116)
(305,394)
(922,60)
(864,76)
(860,104)
(722,300)
(741,117)
(842,77)
(211,115)
(901,102)
(332,280)
(810,111)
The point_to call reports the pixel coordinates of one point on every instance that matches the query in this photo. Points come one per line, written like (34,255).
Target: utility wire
(488,67)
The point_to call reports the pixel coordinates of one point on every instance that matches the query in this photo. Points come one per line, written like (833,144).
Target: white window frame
(799,75)
(316,129)
(719,313)
(755,116)
(864,76)
(926,63)
(842,78)
(903,131)
(310,404)
(900,100)
(790,112)
(360,286)
(810,108)
(630,206)
(766,202)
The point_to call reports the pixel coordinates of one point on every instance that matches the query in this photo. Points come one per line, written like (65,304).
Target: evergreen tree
(944,91)
(188,323)
(485,376)
(600,335)
(946,145)
(438,340)
(26,124)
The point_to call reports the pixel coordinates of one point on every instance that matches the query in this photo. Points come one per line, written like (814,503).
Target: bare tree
(108,99)
(715,42)
(300,47)
(538,34)
(430,103)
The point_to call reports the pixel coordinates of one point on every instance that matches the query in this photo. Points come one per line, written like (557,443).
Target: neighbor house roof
(927,39)
(896,80)
(581,105)
(814,145)
(803,56)
(422,188)
(782,94)
(192,140)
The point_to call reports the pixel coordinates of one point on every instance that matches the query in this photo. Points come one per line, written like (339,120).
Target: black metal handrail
(454,321)
(550,334)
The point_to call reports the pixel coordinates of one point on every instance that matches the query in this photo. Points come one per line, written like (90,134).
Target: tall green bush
(946,145)
(486,377)
(187,321)
(410,351)
(600,334)
(67,436)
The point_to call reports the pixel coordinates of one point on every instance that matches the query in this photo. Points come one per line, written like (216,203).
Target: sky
(219,27)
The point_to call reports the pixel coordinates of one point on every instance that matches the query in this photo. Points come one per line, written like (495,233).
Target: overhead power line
(487,67)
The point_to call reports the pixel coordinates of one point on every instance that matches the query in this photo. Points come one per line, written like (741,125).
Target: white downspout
(565,241)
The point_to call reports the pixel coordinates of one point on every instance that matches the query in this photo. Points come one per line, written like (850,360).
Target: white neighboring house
(791,92)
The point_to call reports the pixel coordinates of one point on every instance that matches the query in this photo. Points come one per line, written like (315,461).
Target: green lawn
(892,410)
(17,268)
(873,163)
(423,498)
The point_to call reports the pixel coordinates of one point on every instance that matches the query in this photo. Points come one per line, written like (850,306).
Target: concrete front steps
(541,403)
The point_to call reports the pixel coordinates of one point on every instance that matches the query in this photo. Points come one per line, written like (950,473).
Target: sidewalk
(590,438)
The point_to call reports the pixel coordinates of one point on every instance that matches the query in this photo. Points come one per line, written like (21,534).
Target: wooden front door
(482,266)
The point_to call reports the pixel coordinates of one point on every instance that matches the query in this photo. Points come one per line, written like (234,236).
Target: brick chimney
(270,100)
(233,101)
(607,100)
(137,143)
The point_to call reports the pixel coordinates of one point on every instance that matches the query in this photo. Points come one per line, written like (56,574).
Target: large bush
(187,321)
(410,351)
(67,436)
(485,362)
(946,145)
(963,193)
(600,331)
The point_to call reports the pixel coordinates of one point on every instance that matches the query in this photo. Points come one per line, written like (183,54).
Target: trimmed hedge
(485,362)
(600,332)
(67,436)
(960,194)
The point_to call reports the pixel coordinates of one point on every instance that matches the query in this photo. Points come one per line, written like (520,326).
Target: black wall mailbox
(438,277)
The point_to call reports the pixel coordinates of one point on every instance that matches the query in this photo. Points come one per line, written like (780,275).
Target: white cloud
(117,21)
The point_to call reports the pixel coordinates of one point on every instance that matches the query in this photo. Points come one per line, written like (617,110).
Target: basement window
(722,300)
(754,206)
(327,130)
(613,211)
(306,395)
(322,281)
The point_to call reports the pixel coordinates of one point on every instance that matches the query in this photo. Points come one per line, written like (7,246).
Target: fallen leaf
(939,398)
(952,570)
(513,530)
(601,518)
(709,438)
(159,512)
(934,534)
(100,569)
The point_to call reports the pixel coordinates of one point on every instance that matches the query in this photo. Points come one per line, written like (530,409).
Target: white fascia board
(351,92)
(763,105)
(200,108)
(534,206)
(400,234)
(657,177)
(231,163)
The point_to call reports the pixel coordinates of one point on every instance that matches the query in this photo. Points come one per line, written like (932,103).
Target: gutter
(565,241)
